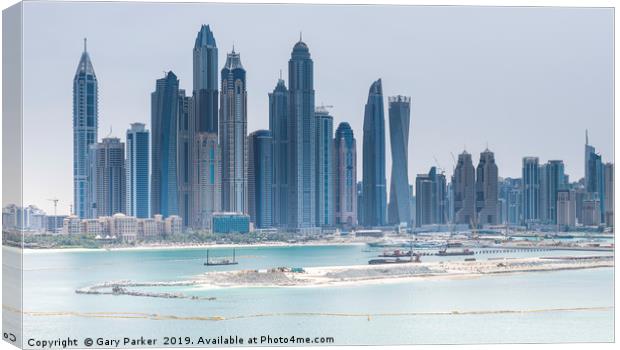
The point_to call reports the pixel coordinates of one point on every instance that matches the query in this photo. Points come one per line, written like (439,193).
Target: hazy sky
(525,81)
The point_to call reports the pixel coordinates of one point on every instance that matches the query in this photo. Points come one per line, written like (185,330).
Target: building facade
(302,138)
(85,124)
(530,190)
(608,180)
(324,148)
(205,85)
(231,223)
(487,189)
(345,176)
(185,136)
(373,153)
(278,125)
(399,210)
(207,184)
(137,171)
(164,117)
(552,180)
(464,190)
(566,209)
(260,178)
(109,177)
(233,135)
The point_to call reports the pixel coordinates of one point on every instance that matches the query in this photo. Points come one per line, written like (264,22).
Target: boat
(395,254)
(444,252)
(222,261)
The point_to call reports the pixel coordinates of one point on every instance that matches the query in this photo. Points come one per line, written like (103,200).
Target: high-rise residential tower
(608,180)
(423,196)
(345,176)
(302,129)
(164,118)
(137,171)
(531,190)
(399,210)
(184,158)
(373,153)
(552,179)
(594,182)
(464,188)
(85,122)
(109,172)
(206,179)
(487,189)
(233,135)
(205,93)
(278,125)
(260,180)
(324,144)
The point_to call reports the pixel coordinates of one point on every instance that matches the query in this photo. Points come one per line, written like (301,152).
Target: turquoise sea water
(415,312)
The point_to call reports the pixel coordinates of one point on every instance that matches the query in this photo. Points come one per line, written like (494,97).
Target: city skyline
(421,152)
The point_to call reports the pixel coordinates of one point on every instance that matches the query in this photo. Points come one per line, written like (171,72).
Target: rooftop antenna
(586,137)
(84,44)
(280,74)
(110,133)
(300,36)
(233,51)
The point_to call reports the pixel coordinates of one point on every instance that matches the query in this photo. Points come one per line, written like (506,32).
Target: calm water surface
(367,314)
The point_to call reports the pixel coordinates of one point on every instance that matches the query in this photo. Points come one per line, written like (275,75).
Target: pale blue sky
(527,81)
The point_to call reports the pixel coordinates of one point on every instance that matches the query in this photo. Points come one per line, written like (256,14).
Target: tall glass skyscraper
(164,117)
(345,174)
(302,129)
(85,122)
(137,171)
(233,135)
(552,180)
(205,81)
(595,184)
(531,190)
(184,161)
(325,214)
(464,188)
(260,180)
(207,184)
(373,174)
(278,125)
(109,176)
(487,189)
(399,210)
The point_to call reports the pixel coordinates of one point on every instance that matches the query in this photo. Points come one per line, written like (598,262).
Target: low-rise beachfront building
(173,225)
(148,228)
(92,226)
(227,222)
(71,225)
(124,227)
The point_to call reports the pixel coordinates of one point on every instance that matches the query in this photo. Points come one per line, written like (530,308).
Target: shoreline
(180,246)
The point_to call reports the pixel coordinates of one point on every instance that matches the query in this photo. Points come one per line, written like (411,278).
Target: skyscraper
(260,179)
(164,117)
(205,82)
(608,180)
(373,167)
(184,144)
(109,172)
(439,200)
(278,125)
(345,176)
(399,210)
(137,171)
(206,184)
(531,190)
(324,145)
(486,189)
(423,207)
(566,208)
(85,122)
(302,138)
(464,187)
(595,185)
(233,135)
(510,193)
(552,180)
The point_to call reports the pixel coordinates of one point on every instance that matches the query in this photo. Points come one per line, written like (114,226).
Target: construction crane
(441,169)
(55,201)
(323,108)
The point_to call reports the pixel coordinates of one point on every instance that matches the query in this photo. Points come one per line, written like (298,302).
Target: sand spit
(350,275)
